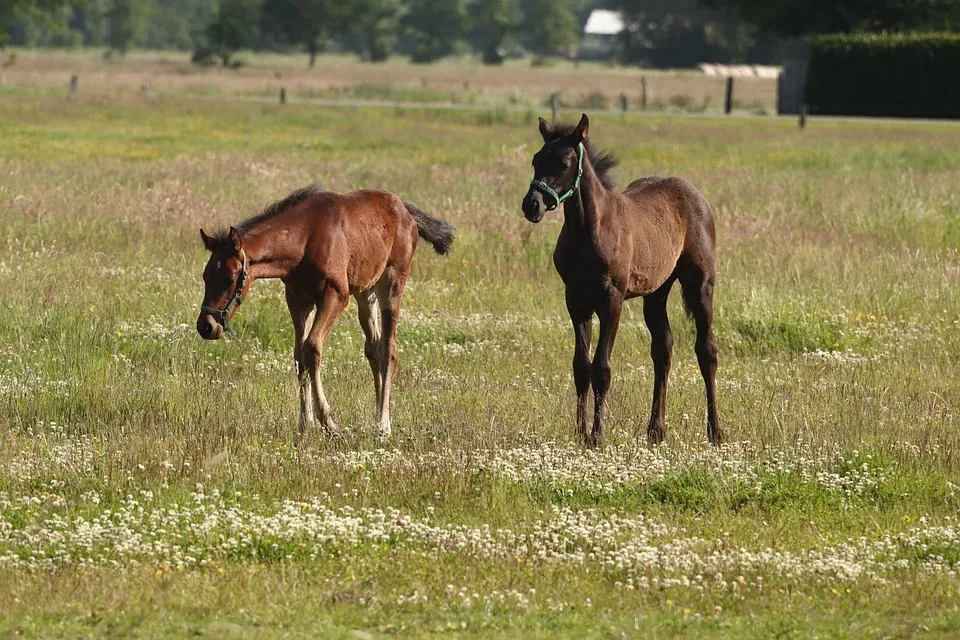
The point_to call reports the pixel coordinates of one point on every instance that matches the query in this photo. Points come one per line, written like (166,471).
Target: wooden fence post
(74,84)
(553,107)
(802,121)
(728,100)
(643,92)
(283,95)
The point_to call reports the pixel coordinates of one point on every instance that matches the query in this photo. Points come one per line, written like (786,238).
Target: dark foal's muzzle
(533,206)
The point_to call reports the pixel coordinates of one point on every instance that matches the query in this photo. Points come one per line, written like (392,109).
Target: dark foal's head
(556,166)
(225,282)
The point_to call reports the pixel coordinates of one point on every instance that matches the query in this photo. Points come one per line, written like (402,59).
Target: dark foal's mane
(222,238)
(602,162)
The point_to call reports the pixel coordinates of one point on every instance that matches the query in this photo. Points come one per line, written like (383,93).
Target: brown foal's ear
(235,239)
(583,129)
(207,241)
(545,130)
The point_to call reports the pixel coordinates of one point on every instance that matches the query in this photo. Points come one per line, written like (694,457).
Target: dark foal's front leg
(661,352)
(582,318)
(609,315)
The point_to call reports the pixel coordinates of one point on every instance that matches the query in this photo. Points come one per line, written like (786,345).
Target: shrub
(908,75)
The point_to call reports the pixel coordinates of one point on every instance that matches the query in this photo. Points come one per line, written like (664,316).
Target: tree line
(662,33)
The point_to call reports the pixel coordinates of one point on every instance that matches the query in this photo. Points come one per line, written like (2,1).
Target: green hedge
(904,75)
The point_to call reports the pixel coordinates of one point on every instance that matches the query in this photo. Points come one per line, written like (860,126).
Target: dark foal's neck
(582,212)
(273,247)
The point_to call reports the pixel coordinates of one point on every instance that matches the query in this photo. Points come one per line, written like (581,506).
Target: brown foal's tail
(433,230)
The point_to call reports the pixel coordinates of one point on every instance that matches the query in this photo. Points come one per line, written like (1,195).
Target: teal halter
(547,190)
(221,315)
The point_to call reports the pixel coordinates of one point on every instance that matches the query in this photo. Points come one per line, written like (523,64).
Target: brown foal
(615,246)
(325,247)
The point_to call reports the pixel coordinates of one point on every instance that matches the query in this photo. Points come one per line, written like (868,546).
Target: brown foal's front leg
(330,304)
(302,313)
(609,315)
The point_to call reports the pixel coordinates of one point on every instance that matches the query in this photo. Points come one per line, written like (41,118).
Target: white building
(601,33)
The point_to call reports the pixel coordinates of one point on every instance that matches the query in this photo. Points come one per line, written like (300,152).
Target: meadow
(150,483)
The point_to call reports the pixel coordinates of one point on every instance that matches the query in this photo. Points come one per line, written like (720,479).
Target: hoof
(656,434)
(716,436)
(383,431)
(593,441)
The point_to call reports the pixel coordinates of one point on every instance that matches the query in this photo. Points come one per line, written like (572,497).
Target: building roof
(603,22)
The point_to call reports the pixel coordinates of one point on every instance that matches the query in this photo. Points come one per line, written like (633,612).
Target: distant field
(149,484)
(458,81)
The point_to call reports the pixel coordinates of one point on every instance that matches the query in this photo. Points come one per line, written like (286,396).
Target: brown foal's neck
(582,212)
(274,247)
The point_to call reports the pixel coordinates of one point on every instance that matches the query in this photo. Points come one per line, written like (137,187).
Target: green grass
(131,450)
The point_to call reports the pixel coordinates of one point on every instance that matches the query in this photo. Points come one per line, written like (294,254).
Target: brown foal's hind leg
(661,352)
(389,291)
(302,313)
(698,296)
(369,311)
(582,318)
(330,304)
(609,315)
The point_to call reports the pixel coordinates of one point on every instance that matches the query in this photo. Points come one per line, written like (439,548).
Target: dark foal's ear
(235,239)
(545,130)
(583,129)
(207,241)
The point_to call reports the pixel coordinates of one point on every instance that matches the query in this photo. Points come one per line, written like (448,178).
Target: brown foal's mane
(222,238)
(602,162)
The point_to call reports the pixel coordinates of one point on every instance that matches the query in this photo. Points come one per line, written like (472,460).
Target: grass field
(149,482)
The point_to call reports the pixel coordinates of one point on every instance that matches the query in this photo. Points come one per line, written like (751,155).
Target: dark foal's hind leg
(609,315)
(661,352)
(698,296)
(582,318)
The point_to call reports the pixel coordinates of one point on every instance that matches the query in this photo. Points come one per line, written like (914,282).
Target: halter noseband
(547,190)
(221,315)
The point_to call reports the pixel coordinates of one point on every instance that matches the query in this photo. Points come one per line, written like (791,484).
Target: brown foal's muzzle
(208,328)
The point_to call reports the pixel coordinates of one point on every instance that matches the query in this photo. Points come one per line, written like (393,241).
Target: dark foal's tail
(433,230)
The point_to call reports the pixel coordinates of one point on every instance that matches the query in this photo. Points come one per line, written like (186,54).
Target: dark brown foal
(615,246)
(325,247)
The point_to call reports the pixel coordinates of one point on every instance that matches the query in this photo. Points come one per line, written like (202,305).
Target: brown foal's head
(225,281)
(556,168)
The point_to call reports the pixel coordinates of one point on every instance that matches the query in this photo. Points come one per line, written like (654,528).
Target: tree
(127,20)
(179,24)
(308,23)
(493,22)
(804,17)
(38,9)
(233,29)
(681,33)
(434,27)
(552,26)
(377,22)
